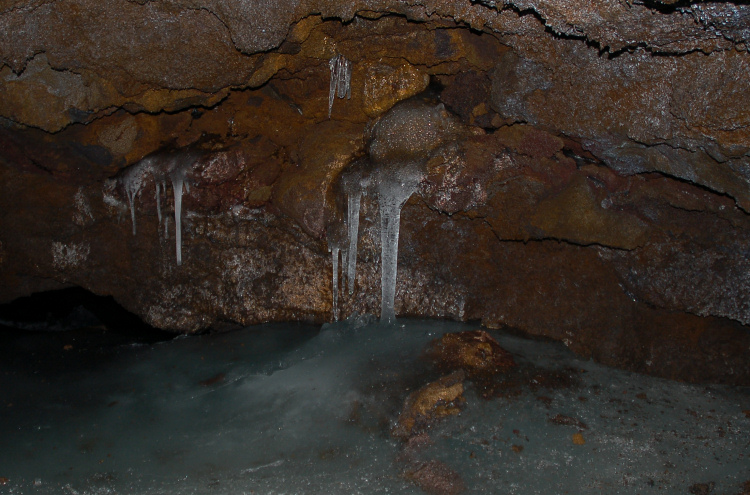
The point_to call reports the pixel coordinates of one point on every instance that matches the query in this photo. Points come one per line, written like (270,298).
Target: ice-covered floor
(287,409)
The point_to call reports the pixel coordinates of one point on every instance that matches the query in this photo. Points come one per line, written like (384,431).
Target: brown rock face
(429,404)
(582,168)
(475,352)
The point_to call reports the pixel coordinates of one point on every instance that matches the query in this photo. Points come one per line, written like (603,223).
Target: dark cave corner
(47,325)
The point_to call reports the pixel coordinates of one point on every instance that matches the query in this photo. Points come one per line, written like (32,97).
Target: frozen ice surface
(290,409)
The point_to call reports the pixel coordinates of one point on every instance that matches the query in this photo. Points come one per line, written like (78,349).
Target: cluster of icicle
(392,186)
(162,166)
(341,76)
(401,143)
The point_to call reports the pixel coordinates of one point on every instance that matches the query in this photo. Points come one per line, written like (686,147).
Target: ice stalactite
(335,258)
(392,184)
(354,200)
(340,85)
(178,178)
(355,182)
(158,201)
(338,251)
(395,187)
(401,144)
(132,181)
(174,165)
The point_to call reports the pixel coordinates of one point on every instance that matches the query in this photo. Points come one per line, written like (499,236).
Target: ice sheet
(288,409)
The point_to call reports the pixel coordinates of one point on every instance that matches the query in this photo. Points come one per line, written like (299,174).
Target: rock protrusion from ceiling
(617,26)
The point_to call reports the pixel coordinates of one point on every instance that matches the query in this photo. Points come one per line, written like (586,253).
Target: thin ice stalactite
(178,182)
(354,200)
(335,259)
(132,181)
(340,85)
(338,262)
(175,166)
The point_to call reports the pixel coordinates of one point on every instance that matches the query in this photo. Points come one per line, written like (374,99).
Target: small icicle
(348,80)
(131,203)
(132,181)
(342,77)
(340,83)
(343,266)
(335,259)
(352,215)
(179,166)
(158,201)
(394,189)
(177,182)
(178,177)
(166,219)
(332,64)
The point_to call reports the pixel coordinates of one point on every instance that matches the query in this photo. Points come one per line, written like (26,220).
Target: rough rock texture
(592,186)
(475,352)
(431,403)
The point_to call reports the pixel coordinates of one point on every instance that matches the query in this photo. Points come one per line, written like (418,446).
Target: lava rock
(475,352)
(432,402)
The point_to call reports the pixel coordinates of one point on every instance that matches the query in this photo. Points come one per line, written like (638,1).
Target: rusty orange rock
(434,401)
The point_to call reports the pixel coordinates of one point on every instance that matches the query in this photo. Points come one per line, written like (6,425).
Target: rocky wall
(592,185)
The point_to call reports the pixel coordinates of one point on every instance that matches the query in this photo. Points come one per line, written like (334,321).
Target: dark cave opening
(78,311)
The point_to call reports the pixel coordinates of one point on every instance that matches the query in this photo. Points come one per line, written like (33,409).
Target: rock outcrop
(592,185)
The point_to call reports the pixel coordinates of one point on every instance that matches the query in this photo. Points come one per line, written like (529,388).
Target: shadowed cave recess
(574,171)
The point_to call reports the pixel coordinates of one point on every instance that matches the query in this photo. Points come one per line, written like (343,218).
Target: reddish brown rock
(475,352)
(436,478)
(432,402)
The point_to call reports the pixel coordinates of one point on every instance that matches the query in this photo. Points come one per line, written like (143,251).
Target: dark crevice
(556,240)
(74,309)
(700,186)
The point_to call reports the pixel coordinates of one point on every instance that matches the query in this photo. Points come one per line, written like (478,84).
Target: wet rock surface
(476,353)
(430,403)
(585,167)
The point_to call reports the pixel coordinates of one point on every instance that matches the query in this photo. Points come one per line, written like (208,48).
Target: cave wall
(594,188)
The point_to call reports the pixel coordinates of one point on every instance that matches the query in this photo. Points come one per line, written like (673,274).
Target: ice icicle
(178,166)
(395,186)
(166,219)
(177,183)
(158,201)
(352,215)
(132,181)
(131,203)
(341,75)
(335,255)
(178,177)
(355,182)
